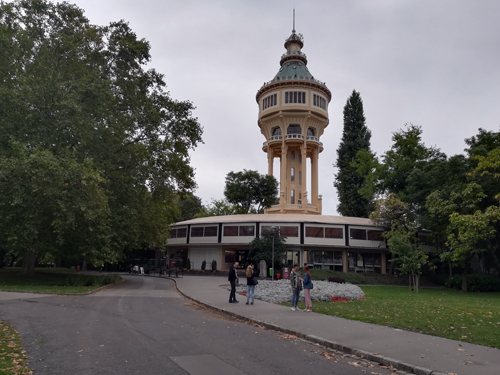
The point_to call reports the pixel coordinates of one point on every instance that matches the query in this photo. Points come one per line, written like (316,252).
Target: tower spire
(293,30)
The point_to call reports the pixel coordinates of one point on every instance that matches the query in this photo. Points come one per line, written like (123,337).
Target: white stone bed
(280,291)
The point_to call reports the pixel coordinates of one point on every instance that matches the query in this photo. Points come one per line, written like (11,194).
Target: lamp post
(272,262)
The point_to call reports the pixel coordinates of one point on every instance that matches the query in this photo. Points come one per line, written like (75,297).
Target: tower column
(314,177)
(270,159)
(303,169)
(283,182)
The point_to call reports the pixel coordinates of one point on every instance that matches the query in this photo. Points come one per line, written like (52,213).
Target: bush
(214,265)
(90,280)
(336,280)
(203,265)
(188,265)
(437,279)
(475,283)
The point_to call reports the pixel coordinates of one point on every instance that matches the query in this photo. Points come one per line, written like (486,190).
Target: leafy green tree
(471,227)
(355,137)
(217,207)
(49,204)
(189,206)
(67,86)
(402,237)
(250,191)
(261,248)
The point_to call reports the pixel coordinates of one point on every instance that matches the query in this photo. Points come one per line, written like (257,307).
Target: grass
(50,281)
(469,317)
(12,356)
(359,278)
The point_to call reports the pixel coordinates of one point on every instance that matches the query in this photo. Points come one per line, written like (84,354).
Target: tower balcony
(293,209)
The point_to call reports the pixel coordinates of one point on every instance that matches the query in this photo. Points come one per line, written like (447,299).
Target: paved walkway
(409,351)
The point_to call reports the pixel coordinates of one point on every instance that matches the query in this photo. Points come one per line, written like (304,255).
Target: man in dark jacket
(232,277)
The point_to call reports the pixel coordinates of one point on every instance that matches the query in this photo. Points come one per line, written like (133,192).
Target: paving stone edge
(409,368)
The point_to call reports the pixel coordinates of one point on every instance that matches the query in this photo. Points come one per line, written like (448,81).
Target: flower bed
(280,291)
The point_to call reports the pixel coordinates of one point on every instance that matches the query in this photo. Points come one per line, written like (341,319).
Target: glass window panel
(247,230)
(275,99)
(375,235)
(310,132)
(304,97)
(359,260)
(314,232)
(266,228)
(377,261)
(211,231)
(292,174)
(197,232)
(314,99)
(369,260)
(293,129)
(293,155)
(173,233)
(289,231)
(318,257)
(182,233)
(310,256)
(295,97)
(300,177)
(328,257)
(358,234)
(286,97)
(334,233)
(229,256)
(277,131)
(231,230)
(292,196)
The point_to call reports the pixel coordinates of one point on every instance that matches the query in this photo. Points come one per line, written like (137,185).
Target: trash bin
(270,272)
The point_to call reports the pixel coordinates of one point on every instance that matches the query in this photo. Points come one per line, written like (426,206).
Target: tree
(217,207)
(402,236)
(189,206)
(471,227)
(261,248)
(355,137)
(250,191)
(70,87)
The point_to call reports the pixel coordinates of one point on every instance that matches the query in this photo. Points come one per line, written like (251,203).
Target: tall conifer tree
(355,137)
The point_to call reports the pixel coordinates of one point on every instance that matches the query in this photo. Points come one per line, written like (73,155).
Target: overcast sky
(434,63)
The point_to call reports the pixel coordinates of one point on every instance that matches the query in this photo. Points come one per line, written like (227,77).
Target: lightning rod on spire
(293,30)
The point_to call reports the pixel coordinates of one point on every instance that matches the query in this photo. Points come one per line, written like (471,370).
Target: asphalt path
(144,326)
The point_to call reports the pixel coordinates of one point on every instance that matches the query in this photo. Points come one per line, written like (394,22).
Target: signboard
(286,272)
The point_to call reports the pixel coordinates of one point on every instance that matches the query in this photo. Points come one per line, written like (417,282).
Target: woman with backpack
(251,282)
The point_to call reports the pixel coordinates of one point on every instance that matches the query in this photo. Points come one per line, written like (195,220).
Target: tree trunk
(28,268)
(464,280)
(417,282)
(2,257)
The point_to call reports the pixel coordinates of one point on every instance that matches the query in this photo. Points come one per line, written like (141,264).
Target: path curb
(386,361)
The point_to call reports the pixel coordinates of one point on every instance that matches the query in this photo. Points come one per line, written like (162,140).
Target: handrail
(294,136)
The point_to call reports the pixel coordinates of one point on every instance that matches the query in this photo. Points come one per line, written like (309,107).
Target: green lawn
(470,317)
(12,356)
(51,281)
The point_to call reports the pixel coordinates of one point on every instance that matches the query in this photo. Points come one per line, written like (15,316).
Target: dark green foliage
(77,99)
(337,280)
(203,265)
(189,206)
(475,283)
(214,265)
(188,264)
(250,191)
(261,249)
(355,137)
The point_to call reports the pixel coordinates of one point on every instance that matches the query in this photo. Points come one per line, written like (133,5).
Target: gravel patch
(280,291)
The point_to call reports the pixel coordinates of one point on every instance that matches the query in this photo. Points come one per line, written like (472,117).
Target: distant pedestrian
(296,282)
(251,282)
(307,288)
(233,277)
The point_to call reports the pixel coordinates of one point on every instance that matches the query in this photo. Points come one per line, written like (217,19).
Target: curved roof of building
(281,218)
(293,70)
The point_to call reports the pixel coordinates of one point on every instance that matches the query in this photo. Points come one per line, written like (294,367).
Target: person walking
(308,285)
(251,282)
(296,282)
(232,277)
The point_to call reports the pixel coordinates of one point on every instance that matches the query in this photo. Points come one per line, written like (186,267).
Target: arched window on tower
(276,133)
(311,132)
(293,130)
